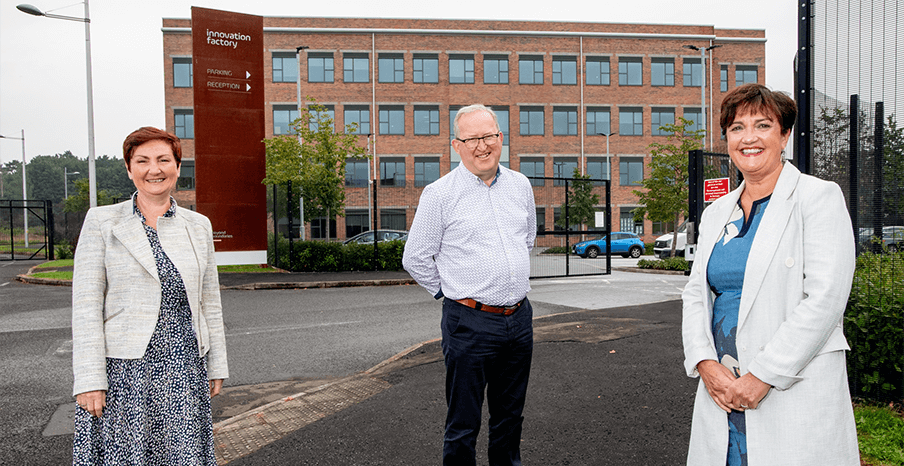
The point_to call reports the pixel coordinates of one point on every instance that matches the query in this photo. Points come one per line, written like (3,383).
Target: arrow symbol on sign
(247,75)
(247,87)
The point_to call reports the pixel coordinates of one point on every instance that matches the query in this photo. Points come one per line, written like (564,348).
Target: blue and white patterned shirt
(470,240)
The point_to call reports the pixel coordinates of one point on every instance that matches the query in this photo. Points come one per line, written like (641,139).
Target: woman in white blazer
(762,314)
(149,349)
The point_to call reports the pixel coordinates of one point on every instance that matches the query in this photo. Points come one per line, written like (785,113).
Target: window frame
(534,162)
(601,75)
(627,74)
(467,66)
(419,71)
(327,73)
(502,76)
(636,126)
(178,63)
(291,109)
(563,167)
(421,177)
(351,64)
(282,57)
(563,74)
(594,111)
(605,168)
(396,162)
(188,123)
(692,72)
(526,116)
(534,74)
(397,71)
(351,176)
(741,71)
(624,176)
(432,113)
(363,129)
(667,73)
(388,115)
(570,115)
(656,117)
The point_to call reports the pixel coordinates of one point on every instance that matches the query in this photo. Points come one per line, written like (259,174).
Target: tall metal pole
(92,173)
(703,92)
(65,182)
(301,232)
(24,194)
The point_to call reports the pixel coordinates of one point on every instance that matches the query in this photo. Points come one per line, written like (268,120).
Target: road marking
(4,284)
(293,327)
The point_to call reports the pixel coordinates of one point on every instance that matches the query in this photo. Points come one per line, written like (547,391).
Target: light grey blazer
(116,292)
(789,335)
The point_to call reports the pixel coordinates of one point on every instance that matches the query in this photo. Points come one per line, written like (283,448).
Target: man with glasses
(470,244)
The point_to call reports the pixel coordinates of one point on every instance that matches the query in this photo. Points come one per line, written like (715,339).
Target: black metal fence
(26,230)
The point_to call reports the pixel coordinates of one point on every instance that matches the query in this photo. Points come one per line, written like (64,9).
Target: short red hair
(147,134)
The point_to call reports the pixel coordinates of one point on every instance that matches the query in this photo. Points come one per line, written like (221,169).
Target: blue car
(626,244)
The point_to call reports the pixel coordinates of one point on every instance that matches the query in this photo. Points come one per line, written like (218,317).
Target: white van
(662,248)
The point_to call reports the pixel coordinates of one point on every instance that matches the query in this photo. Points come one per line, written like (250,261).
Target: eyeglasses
(489,140)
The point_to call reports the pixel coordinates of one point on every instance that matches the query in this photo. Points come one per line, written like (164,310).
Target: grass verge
(250,268)
(56,263)
(880,433)
(54,275)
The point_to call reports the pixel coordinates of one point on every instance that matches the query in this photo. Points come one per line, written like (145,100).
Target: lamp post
(703,51)
(92,175)
(66,176)
(298,97)
(24,191)
(608,158)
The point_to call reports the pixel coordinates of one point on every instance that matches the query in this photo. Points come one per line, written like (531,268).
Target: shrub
(326,256)
(64,250)
(874,325)
(648,249)
(556,250)
(670,263)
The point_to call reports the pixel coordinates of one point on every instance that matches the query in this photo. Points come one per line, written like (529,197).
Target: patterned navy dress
(725,273)
(158,407)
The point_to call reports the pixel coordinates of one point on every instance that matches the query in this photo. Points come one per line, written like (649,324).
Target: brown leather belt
(505,310)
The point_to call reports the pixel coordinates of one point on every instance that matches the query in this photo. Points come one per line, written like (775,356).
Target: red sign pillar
(228,69)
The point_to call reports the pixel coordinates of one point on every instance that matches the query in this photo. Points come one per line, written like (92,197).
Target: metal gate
(26,230)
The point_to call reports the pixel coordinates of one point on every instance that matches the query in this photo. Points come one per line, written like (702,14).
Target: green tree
(581,202)
(664,198)
(312,157)
(78,202)
(893,173)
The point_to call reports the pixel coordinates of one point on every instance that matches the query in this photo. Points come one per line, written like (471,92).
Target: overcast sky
(42,60)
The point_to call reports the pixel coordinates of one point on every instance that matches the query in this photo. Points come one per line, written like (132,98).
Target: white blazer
(116,291)
(789,335)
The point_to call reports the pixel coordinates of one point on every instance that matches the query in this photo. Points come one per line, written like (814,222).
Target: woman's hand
(718,380)
(746,392)
(215,386)
(93,402)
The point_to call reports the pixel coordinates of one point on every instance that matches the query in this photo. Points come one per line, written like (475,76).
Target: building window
(184,123)
(564,70)
(285,67)
(392,219)
(693,72)
(541,219)
(495,69)
(356,172)
(557,215)
(392,119)
(360,115)
(283,116)
(321,68)
(693,114)
(630,224)
(531,121)
(661,117)
(426,68)
(597,71)
(426,171)
(530,69)
(723,78)
(182,72)
(502,116)
(453,110)
(744,74)
(328,114)
(355,222)
(630,171)
(318,228)
(630,71)
(391,68)
(563,167)
(426,120)
(661,228)
(564,121)
(662,72)
(461,69)
(186,174)
(630,121)
(598,168)
(533,166)
(598,120)
(392,171)
(355,68)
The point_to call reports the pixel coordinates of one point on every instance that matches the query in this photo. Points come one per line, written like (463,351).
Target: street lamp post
(608,158)
(298,97)
(24,191)
(92,174)
(66,176)
(703,51)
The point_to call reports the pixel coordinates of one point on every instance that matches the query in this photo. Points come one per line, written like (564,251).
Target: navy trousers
(492,353)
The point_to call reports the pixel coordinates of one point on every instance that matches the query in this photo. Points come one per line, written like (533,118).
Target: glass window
(630,171)
(495,69)
(630,71)
(533,166)
(598,120)
(426,170)
(502,116)
(283,116)
(661,117)
(392,172)
(530,69)
(598,168)
(182,70)
(597,71)
(186,174)
(563,167)
(693,72)
(184,123)
(564,70)
(285,67)
(391,68)
(723,78)
(461,69)
(564,121)
(355,68)
(557,216)
(359,114)
(662,72)
(356,172)
(744,74)
(392,219)
(693,114)
(355,222)
(316,117)
(531,121)
(453,110)
(320,67)
(392,119)
(426,120)
(318,228)
(630,121)
(541,219)
(426,68)
(629,223)
(661,228)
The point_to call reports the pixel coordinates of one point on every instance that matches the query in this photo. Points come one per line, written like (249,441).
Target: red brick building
(555,86)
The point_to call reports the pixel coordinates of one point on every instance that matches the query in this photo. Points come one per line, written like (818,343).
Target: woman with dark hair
(149,350)
(763,307)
